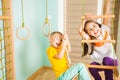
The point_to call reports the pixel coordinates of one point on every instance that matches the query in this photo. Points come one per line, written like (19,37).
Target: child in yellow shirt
(57,56)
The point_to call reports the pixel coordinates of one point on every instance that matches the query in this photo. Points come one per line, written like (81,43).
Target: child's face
(93,29)
(56,40)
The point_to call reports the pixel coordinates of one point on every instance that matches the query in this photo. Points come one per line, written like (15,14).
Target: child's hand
(67,43)
(65,36)
(64,43)
(80,29)
(65,40)
(89,16)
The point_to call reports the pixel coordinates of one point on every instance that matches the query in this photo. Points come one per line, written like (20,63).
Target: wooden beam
(94,41)
(5,17)
(106,10)
(98,16)
(9,49)
(101,67)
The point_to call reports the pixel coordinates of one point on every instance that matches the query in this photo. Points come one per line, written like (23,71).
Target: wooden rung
(5,17)
(4,8)
(94,41)
(99,16)
(101,67)
(75,76)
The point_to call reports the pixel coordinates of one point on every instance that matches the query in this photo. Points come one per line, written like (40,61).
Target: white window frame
(60,15)
(99,9)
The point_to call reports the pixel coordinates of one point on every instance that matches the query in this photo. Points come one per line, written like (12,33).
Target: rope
(2,57)
(22,14)
(83,10)
(68,57)
(46,23)
(83,7)
(113,19)
(46,8)
(22,27)
(65,16)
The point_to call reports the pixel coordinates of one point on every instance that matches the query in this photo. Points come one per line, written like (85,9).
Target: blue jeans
(108,73)
(72,71)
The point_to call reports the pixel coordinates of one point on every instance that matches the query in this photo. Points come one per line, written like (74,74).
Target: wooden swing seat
(96,66)
(101,67)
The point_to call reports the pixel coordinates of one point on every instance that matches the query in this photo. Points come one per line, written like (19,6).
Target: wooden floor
(48,74)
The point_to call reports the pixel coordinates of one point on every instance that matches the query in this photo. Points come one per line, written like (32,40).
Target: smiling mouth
(58,44)
(96,32)
(97,35)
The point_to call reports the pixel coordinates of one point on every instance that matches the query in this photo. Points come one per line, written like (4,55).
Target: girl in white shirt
(101,53)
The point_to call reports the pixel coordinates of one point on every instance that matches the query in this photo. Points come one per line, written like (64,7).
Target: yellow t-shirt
(58,65)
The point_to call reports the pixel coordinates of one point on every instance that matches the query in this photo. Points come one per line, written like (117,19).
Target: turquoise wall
(53,15)
(30,54)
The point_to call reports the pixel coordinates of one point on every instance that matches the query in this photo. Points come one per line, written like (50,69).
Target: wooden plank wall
(73,22)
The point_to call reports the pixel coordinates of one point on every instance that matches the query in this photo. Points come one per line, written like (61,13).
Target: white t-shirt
(106,50)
